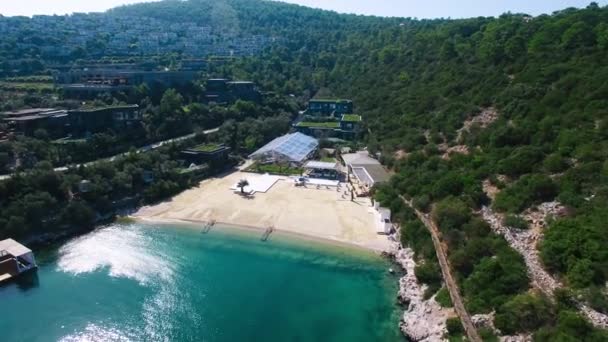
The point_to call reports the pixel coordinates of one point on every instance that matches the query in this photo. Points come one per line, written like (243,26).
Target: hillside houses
(114,35)
(329,118)
(58,123)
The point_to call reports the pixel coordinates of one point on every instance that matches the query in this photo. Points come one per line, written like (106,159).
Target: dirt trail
(450,283)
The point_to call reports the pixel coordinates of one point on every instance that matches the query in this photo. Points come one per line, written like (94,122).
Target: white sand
(318,213)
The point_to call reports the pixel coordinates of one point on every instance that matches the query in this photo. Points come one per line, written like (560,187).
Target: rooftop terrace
(351,118)
(325,124)
(331,100)
(208,148)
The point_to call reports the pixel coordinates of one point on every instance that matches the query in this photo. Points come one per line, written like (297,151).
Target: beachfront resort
(287,186)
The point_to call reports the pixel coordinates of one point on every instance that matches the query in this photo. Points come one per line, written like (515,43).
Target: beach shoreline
(189,223)
(312,213)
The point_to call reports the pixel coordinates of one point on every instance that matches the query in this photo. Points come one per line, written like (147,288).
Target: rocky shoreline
(423,320)
(426,320)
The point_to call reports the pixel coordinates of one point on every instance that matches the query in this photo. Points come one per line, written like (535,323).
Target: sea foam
(125,250)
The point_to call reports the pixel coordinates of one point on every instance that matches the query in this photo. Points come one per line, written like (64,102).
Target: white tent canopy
(294,147)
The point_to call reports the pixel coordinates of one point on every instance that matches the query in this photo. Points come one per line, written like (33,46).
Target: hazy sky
(402,8)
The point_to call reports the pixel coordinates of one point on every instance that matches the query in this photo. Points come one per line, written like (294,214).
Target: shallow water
(139,282)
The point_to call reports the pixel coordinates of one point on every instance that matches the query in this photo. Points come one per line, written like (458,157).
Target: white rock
(424,320)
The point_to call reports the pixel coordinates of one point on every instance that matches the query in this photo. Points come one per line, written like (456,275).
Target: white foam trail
(94,333)
(125,250)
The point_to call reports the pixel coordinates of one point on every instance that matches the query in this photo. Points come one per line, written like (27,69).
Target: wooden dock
(208,227)
(267,233)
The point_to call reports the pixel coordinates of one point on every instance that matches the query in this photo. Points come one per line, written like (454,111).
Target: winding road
(446,271)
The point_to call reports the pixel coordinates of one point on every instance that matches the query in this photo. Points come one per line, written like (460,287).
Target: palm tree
(242,184)
(372,193)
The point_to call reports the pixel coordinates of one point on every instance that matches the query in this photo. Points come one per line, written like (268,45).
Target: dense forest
(543,83)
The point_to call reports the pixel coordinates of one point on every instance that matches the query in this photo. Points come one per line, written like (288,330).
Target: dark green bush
(523,313)
(515,221)
(443,298)
(454,326)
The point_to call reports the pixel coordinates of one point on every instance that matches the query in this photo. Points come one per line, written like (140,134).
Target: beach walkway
(446,271)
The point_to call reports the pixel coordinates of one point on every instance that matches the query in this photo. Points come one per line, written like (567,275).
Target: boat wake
(96,333)
(125,250)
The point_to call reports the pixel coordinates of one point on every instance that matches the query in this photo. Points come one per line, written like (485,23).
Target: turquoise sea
(146,282)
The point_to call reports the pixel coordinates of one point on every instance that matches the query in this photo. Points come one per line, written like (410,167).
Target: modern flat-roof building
(27,111)
(118,118)
(28,121)
(15,259)
(367,170)
(206,153)
(347,126)
(244,90)
(59,123)
(329,119)
(326,107)
(221,90)
(294,148)
(324,170)
(90,82)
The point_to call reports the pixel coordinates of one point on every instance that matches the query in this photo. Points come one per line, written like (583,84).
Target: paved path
(144,149)
(451,284)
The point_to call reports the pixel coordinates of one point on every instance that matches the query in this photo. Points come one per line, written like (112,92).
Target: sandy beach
(310,212)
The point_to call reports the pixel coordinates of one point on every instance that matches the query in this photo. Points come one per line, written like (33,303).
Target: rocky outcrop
(424,320)
(400,154)
(596,318)
(487,321)
(490,189)
(484,321)
(538,216)
(483,120)
(518,338)
(458,149)
(525,242)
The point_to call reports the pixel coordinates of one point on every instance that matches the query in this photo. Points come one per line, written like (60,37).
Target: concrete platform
(258,183)
(5,276)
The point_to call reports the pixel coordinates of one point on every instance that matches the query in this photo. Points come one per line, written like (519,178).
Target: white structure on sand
(293,148)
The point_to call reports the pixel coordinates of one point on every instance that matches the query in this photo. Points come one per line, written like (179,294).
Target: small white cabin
(383,220)
(15,259)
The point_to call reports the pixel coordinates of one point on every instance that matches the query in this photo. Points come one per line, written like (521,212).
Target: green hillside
(416,82)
